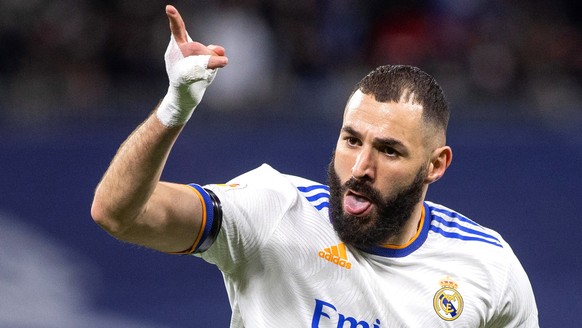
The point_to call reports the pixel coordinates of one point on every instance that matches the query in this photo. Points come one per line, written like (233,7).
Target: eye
(352,141)
(389,151)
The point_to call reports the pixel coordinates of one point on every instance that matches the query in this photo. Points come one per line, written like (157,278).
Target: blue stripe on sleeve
(454,215)
(462,237)
(463,228)
(317,196)
(322,206)
(310,188)
(209,213)
(322,196)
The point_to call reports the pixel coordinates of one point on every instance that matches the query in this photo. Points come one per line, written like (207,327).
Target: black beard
(380,225)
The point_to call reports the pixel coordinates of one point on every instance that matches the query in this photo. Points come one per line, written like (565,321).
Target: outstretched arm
(130,201)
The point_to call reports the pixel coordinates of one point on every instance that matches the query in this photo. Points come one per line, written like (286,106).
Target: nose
(364,168)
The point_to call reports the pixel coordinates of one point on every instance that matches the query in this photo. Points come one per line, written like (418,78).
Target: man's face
(377,176)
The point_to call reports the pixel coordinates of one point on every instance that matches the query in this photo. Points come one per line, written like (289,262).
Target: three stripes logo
(337,255)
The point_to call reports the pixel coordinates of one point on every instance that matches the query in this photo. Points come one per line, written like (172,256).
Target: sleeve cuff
(211,221)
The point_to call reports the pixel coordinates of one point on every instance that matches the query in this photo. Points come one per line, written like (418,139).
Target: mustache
(363,188)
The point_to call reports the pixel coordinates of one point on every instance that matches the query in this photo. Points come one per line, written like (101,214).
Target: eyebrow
(379,142)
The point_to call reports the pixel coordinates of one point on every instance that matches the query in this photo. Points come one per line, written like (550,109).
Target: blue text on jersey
(341,319)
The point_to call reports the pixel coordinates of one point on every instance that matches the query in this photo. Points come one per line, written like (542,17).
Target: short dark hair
(394,82)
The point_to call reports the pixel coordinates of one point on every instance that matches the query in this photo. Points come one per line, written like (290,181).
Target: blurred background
(76,77)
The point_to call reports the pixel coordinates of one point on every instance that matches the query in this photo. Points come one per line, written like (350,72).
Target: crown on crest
(447,281)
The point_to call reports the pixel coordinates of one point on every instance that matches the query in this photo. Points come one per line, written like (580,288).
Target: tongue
(356,205)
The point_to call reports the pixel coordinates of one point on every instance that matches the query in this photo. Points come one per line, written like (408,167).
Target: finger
(195,48)
(177,25)
(218,50)
(217,62)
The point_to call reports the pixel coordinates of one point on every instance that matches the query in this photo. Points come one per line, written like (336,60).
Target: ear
(440,160)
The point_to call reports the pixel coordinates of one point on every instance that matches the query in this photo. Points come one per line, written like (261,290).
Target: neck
(410,229)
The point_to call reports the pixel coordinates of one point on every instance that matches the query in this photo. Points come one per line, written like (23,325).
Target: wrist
(176,107)
(189,79)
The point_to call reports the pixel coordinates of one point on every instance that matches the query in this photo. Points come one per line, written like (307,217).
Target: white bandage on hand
(189,77)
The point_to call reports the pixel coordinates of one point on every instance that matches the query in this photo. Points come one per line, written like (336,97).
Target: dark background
(76,77)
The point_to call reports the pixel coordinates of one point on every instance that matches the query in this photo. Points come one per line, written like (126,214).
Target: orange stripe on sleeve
(202,225)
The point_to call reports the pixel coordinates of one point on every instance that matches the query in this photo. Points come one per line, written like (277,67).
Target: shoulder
(456,227)
(258,182)
(264,186)
(262,175)
(476,249)
(266,179)
(493,265)
(315,193)
(259,187)
(267,175)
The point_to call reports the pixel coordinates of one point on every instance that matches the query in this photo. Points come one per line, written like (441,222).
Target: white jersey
(284,265)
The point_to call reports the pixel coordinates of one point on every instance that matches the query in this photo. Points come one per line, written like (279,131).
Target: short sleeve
(253,205)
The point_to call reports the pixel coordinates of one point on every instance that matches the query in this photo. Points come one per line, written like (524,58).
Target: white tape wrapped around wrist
(189,77)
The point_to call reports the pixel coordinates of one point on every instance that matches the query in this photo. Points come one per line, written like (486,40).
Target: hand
(191,67)
(188,47)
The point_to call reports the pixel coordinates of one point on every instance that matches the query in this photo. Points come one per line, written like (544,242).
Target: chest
(338,284)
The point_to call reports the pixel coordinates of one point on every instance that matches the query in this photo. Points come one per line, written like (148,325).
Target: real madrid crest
(447,302)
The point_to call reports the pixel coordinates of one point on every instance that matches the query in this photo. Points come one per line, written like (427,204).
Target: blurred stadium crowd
(83,60)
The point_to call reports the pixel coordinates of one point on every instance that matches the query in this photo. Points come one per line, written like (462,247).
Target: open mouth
(356,204)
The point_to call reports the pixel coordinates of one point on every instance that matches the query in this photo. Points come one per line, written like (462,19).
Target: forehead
(401,120)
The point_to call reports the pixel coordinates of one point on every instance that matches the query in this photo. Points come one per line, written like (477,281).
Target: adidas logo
(337,255)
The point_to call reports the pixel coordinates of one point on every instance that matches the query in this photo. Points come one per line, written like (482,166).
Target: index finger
(177,25)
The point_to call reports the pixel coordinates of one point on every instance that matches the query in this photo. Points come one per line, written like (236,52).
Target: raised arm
(130,201)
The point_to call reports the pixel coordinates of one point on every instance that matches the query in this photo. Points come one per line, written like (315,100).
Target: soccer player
(366,250)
